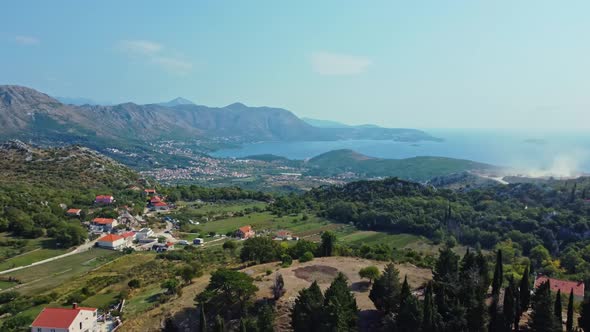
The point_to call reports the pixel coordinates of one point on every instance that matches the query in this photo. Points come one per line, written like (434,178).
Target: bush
(306,257)
(287,260)
(134,283)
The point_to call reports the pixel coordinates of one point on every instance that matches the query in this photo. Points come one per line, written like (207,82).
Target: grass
(30,257)
(205,208)
(33,251)
(143,301)
(43,277)
(103,300)
(264,221)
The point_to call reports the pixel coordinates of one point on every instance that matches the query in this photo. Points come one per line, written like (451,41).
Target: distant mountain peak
(176,102)
(237,106)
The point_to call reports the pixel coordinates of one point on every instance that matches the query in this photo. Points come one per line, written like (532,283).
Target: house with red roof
(283,235)
(104,224)
(245,232)
(73,212)
(564,286)
(104,199)
(112,241)
(129,237)
(149,192)
(75,319)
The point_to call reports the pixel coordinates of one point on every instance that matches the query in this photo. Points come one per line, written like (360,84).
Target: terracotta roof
(160,204)
(60,318)
(104,197)
(563,285)
(110,238)
(155,199)
(245,229)
(169,244)
(103,221)
(73,211)
(283,233)
(128,234)
(150,190)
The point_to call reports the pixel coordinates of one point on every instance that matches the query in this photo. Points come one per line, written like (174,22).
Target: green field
(100,300)
(30,257)
(263,221)
(34,250)
(207,208)
(144,301)
(39,278)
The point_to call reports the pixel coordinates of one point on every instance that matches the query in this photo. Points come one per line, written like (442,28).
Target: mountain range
(32,115)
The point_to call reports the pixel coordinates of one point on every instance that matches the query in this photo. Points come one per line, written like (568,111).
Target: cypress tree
(584,320)
(429,318)
(509,308)
(266,317)
(203,319)
(498,275)
(570,312)
(243,326)
(386,290)
(557,309)
(525,291)
(219,324)
(542,317)
(409,317)
(495,324)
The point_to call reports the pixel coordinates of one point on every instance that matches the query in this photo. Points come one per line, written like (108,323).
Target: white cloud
(140,46)
(325,63)
(156,54)
(27,40)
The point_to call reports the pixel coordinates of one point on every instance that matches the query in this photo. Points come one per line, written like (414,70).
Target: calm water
(562,154)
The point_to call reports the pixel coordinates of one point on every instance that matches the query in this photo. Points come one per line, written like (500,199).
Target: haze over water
(532,153)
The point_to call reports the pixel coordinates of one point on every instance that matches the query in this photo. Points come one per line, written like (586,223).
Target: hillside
(417,168)
(28,114)
(60,168)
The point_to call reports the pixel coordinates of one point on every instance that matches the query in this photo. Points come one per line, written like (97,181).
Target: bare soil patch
(318,273)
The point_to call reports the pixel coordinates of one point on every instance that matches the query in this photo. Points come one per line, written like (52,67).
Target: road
(79,249)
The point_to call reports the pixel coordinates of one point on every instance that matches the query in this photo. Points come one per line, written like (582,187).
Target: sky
(416,64)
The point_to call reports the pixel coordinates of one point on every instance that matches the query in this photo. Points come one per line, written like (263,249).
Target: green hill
(416,168)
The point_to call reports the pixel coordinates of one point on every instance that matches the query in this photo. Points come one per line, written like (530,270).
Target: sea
(533,153)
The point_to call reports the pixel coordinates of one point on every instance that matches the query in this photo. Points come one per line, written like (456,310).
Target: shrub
(287,260)
(306,257)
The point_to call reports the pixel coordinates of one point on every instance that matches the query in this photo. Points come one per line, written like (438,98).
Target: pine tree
(386,290)
(430,316)
(306,315)
(472,294)
(409,317)
(570,311)
(446,282)
(525,291)
(484,272)
(557,309)
(573,193)
(542,318)
(584,319)
(340,306)
(498,275)
(202,319)
(219,324)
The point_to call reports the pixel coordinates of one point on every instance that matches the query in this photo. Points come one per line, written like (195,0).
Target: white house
(106,224)
(75,319)
(112,241)
(144,234)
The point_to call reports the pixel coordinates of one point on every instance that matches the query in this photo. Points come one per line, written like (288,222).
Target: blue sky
(421,64)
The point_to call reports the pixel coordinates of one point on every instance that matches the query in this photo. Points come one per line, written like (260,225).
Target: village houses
(112,242)
(104,224)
